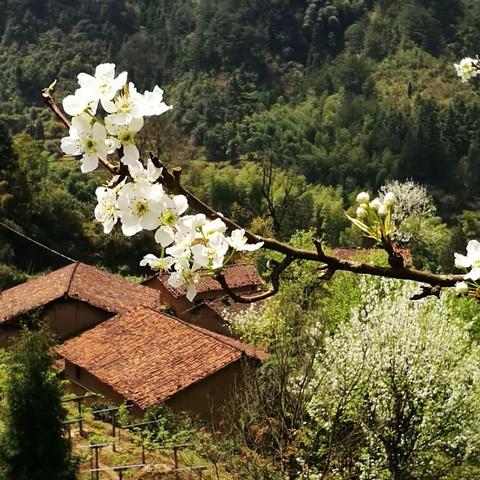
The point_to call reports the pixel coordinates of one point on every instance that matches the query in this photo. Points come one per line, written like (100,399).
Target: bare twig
(274,278)
(428,291)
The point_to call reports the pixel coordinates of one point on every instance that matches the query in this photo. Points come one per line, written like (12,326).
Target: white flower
(461,288)
(383,210)
(139,204)
(156,263)
(363,197)
(184,274)
(106,210)
(375,203)
(130,104)
(217,248)
(467,68)
(167,216)
(125,134)
(238,241)
(389,199)
(361,212)
(211,227)
(165,236)
(154,104)
(182,247)
(103,86)
(471,260)
(139,172)
(87,140)
(79,102)
(210,255)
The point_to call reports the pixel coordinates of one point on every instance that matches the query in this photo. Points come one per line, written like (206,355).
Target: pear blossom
(184,274)
(125,134)
(361,212)
(172,208)
(167,217)
(189,243)
(467,68)
(212,254)
(363,197)
(131,104)
(389,199)
(106,210)
(383,210)
(86,140)
(375,204)
(165,236)
(471,260)
(182,245)
(79,102)
(212,227)
(103,85)
(461,288)
(238,241)
(139,203)
(156,263)
(150,173)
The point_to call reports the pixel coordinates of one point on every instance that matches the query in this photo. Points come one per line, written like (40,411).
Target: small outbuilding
(146,357)
(209,306)
(72,299)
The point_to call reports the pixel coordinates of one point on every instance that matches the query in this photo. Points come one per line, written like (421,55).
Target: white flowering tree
(399,389)
(106,114)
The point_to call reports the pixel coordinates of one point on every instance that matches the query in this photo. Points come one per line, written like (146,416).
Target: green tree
(34,445)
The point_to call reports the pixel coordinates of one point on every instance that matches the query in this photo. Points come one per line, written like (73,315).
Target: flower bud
(461,288)
(389,199)
(361,212)
(375,204)
(383,210)
(363,197)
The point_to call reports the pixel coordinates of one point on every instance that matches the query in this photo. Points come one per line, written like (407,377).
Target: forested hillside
(283,109)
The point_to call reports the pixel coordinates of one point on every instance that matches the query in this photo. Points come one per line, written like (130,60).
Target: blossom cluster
(468,68)
(375,218)
(93,137)
(190,245)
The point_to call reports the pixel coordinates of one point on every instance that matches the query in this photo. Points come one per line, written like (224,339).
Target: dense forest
(283,109)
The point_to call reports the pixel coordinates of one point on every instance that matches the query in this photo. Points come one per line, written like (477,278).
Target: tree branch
(274,278)
(171,180)
(331,264)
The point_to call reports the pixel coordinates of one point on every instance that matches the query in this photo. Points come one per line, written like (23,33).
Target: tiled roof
(236,276)
(79,282)
(147,356)
(345,253)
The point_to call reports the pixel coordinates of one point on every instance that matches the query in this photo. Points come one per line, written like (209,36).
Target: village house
(72,299)
(209,306)
(117,341)
(146,357)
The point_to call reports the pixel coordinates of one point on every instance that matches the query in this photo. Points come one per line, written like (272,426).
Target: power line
(26,237)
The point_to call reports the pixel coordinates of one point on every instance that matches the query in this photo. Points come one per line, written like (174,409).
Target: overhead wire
(36,242)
